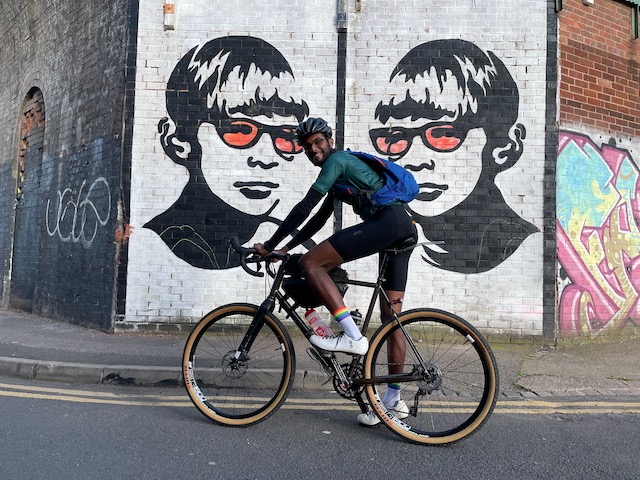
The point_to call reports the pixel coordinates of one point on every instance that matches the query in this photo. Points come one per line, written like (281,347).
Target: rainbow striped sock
(340,314)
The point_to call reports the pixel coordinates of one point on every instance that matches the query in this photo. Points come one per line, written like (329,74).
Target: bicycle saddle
(407,242)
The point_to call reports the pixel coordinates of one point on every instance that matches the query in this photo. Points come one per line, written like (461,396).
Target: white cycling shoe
(369,419)
(341,343)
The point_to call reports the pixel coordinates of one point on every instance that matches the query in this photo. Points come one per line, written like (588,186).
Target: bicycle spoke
(458,385)
(234,387)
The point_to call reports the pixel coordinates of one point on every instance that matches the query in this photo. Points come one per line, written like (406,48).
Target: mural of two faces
(454,92)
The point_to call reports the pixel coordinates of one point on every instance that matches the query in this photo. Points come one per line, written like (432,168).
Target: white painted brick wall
(161,287)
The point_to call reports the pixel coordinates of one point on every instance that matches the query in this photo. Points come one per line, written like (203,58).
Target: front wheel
(234,387)
(444,369)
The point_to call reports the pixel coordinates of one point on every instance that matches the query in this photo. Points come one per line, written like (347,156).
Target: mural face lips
(248,189)
(430,191)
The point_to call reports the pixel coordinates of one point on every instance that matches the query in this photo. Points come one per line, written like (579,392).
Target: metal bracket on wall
(342,15)
(169,15)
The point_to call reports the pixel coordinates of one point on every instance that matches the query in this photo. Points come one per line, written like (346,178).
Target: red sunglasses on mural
(245,133)
(396,141)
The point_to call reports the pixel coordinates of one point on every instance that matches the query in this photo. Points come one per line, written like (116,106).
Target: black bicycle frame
(275,295)
(377,291)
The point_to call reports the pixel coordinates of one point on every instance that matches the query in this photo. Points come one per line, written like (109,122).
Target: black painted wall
(68,239)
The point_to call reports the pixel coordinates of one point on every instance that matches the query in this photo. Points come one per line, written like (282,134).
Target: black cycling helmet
(309,127)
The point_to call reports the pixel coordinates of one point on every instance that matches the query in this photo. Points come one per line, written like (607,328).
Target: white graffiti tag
(76,217)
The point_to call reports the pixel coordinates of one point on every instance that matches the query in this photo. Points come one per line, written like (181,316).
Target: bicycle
(239,361)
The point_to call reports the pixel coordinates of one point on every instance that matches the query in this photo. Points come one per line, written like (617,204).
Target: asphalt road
(54,430)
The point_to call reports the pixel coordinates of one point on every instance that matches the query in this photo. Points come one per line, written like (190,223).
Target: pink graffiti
(598,239)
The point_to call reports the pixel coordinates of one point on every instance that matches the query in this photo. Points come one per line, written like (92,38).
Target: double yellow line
(525,406)
(87,396)
(543,407)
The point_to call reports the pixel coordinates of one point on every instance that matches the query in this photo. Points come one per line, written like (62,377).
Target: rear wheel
(454,383)
(232,387)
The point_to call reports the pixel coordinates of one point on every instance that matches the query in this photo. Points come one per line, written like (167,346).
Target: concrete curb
(89,373)
(305,380)
(150,376)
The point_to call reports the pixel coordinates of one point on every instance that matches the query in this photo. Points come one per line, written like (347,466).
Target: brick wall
(182,191)
(190,190)
(600,67)
(597,173)
(73,53)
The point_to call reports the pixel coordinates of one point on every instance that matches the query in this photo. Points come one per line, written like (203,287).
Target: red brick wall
(599,66)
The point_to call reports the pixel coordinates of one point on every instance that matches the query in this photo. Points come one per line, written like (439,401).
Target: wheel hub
(235,364)
(432,379)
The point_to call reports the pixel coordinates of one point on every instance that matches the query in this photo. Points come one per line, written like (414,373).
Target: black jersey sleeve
(298,214)
(314,224)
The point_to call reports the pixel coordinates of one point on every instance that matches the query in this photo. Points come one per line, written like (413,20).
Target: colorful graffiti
(597,236)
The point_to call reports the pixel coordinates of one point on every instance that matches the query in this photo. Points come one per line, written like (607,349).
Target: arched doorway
(28,211)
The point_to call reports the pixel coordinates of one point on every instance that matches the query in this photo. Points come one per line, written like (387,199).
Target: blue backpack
(399,184)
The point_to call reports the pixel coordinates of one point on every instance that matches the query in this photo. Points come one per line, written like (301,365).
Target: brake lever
(247,253)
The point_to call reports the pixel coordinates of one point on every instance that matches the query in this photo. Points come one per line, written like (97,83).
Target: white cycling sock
(392,395)
(347,324)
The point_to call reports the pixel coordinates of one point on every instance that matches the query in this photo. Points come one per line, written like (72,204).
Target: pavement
(34,347)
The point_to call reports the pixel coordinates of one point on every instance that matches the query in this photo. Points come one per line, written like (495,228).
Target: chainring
(349,393)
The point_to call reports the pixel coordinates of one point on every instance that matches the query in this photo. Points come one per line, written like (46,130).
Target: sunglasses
(245,133)
(396,141)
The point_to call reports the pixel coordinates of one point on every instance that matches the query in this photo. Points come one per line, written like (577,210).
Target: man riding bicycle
(382,227)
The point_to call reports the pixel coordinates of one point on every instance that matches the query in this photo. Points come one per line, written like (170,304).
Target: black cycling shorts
(384,229)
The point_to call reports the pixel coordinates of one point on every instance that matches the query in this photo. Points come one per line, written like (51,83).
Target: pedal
(318,357)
